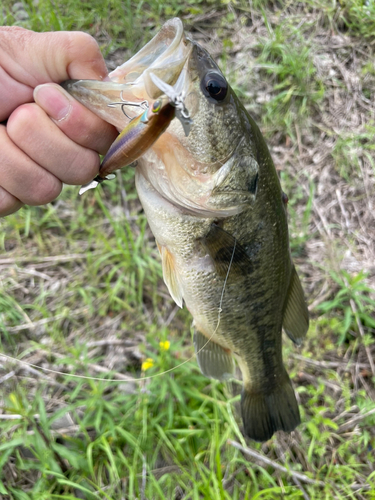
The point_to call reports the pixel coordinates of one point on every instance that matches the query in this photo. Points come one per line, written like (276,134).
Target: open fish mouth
(165,56)
(130,87)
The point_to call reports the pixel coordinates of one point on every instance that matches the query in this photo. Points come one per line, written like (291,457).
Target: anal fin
(296,314)
(214,361)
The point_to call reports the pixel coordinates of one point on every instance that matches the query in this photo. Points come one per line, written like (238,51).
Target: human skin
(46,137)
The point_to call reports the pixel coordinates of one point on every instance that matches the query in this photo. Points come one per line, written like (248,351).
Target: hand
(54,139)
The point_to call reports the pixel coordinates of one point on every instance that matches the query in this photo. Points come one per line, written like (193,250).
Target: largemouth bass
(216,208)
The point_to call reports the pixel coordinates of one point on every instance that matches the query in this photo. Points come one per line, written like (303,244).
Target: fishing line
(100,379)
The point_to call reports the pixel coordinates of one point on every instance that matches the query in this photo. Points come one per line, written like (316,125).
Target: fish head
(211,171)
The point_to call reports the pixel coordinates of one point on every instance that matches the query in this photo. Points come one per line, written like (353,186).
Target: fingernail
(53,100)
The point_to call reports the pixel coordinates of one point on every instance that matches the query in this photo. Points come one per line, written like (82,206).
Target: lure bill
(95,182)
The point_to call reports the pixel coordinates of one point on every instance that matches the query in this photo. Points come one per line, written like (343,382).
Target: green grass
(81,289)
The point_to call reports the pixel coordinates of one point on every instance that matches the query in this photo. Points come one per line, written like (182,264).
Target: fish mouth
(130,86)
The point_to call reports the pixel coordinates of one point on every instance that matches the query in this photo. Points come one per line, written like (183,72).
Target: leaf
(12,444)
(19,495)
(3,490)
(347,320)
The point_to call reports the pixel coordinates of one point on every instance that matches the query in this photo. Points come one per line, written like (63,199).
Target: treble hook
(143,104)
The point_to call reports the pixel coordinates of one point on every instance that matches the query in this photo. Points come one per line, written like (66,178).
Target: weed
(353,298)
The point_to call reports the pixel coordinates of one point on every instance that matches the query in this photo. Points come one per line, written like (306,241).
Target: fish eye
(156,107)
(214,85)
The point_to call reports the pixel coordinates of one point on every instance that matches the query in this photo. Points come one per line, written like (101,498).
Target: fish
(215,205)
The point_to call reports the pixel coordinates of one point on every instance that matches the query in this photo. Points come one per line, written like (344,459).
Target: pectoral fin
(296,315)
(214,361)
(226,252)
(170,275)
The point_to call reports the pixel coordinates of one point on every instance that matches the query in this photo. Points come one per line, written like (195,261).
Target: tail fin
(268,412)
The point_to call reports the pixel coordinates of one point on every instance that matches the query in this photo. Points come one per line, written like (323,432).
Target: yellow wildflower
(148,363)
(164,346)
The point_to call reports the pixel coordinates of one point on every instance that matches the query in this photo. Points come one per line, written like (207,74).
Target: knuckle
(84,57)
(23,117)
(87,41)
(82,45)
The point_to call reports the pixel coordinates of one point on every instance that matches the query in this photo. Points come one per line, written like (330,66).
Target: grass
(81,289)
